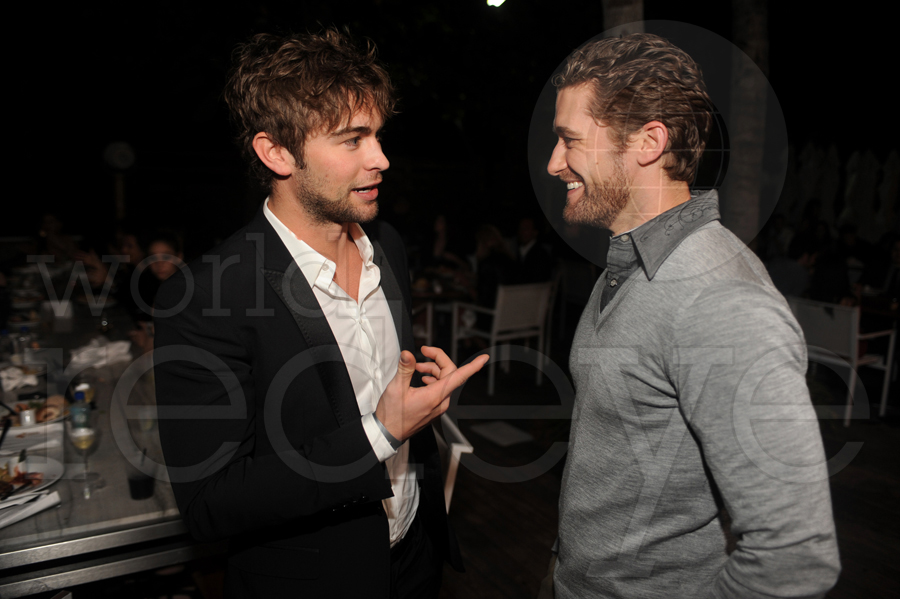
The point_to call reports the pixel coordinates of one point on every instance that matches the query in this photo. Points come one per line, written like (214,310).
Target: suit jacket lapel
(287,281)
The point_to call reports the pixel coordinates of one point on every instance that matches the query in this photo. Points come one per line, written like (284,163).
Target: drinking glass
(84,438)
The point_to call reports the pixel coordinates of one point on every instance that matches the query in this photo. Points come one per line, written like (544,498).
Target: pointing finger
(457,378)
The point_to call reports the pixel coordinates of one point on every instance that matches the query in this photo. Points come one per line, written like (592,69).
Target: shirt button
(613,283)
(625,237)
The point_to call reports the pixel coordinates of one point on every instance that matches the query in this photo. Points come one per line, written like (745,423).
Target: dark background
(468,76)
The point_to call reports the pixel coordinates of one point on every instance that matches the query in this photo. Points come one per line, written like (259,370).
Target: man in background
(533,261)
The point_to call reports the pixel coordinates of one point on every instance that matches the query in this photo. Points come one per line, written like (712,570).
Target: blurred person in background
(882,275)
(495,265)
(54,241)
(164,258)
(533,262)
(123,256)
(791,273)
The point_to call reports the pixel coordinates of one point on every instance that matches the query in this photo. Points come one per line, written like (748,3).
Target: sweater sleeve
(740,374)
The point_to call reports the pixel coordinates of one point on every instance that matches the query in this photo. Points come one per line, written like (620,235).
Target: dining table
(102,533)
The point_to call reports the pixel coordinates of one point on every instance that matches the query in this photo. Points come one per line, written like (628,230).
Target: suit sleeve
(209,422)
(750,409)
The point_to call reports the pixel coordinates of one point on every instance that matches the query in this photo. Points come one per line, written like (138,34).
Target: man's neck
(649,201)
(332,240)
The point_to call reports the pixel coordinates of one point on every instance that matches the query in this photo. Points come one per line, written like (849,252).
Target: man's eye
(568,141)
(352,141)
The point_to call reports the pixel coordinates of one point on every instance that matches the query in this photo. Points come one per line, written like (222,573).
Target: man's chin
(368,213)
(573,216)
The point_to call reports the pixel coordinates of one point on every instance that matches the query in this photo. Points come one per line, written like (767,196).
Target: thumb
(407,367)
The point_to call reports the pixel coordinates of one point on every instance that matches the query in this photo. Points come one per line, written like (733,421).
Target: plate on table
(58,410)
(13,476)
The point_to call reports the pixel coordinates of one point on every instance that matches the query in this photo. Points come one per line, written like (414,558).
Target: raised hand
(405,410)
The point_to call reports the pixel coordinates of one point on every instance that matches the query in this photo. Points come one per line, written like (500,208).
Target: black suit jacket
(536,266)
(260,426)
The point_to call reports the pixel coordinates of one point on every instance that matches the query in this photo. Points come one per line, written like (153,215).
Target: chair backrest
(521,306)
(451,445)
(828,326)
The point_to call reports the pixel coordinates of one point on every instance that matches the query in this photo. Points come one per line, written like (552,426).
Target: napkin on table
(13,378)
(95,354)
(11,515)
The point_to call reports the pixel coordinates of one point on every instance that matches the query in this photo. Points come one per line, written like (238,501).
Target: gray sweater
(691,394)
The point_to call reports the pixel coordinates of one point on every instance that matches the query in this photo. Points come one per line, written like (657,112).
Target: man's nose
(377,160)
(557,162)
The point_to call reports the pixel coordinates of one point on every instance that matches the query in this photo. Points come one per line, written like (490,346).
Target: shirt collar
(316,268)
(658,237)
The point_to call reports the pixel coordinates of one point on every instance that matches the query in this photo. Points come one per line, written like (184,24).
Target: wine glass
(83,436)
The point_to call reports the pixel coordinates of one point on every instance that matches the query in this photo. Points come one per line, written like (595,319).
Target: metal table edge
(130,536)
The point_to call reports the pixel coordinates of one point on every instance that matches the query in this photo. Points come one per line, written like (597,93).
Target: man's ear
(276,157)
(651,142)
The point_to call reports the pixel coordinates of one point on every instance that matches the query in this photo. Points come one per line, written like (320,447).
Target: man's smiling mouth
(371,188)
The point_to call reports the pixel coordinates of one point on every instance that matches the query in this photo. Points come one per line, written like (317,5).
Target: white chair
(832,335)
(451,445)
(520,312)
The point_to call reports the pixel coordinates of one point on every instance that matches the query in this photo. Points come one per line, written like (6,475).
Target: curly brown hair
(640,78)
(294,86)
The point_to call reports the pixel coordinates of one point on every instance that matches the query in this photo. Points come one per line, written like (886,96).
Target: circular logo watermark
(730,160)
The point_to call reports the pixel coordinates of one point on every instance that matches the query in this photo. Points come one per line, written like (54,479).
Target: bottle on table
(80,412)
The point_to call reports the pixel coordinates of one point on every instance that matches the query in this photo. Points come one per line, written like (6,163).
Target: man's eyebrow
(564,131)
(361,130)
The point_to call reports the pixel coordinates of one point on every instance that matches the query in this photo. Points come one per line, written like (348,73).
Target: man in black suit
(282,357)
(534,263)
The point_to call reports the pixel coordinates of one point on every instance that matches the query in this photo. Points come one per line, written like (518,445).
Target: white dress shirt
(367,338)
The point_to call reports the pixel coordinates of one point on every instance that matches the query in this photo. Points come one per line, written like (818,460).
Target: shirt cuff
(380,445)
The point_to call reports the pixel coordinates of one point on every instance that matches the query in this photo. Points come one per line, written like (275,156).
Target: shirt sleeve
(380,444)
(742,389)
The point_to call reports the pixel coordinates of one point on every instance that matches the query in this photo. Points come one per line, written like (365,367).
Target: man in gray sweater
(688,365)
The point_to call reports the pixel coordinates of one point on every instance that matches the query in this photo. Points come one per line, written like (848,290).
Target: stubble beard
(602,204)
(323,210)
